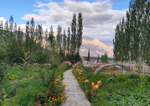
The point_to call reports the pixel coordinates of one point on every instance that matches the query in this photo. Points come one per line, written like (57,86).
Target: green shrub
(53,66)
(121,77)
(42,57)
(133,76)
(148,78)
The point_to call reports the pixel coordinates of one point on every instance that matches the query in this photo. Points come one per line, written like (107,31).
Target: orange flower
(67,95)
(99,83)
(93,85)
(86,81)
(96,87)
(128,79)
(63,84)
(81,73)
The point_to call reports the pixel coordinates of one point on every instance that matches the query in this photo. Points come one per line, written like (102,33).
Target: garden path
(72,88)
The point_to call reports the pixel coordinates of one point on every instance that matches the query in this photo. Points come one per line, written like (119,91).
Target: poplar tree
(11,21)
(73,38)
(64,43)
(32,28)
(88,58)
(68,41)
(79,36)
(79,31)
(27,36)
(51,40)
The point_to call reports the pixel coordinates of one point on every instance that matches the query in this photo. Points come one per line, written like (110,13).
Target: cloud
(99,19)
(2,21)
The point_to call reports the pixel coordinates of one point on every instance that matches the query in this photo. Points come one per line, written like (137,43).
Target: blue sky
(18,8)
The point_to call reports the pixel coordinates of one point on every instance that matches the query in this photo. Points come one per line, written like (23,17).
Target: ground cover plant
(112,90)
(37,86)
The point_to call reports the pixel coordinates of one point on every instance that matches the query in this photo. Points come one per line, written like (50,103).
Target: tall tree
(11,21)
(64,43)
(79,31)
(68,41)
(32,28)
(88,58)
(51,40)
(27,37)
(73,38)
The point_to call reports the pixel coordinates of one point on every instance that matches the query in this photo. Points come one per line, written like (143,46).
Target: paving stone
(72,88)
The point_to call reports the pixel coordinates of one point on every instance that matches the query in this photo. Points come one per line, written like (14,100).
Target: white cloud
(99,19)
(2,21)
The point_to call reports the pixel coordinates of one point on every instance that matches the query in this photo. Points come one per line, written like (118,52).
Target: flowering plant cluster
(68,62)
(95,87)
(76,64)
(87,86)
(55,95)
(79,71)
(58,96)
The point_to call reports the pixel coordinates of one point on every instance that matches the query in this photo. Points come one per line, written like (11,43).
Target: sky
(100,17)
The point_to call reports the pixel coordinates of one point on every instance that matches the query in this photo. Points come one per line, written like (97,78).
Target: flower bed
(87,85)
(68,62)
(109,90)
(76,64)
(57,95)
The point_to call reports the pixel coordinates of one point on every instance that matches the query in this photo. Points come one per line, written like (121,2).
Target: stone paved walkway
(72,88)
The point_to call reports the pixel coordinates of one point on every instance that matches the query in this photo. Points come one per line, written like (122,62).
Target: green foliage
(42,57)
(104,58)
(88,58)
(122,90)
(54,66)
(131,35)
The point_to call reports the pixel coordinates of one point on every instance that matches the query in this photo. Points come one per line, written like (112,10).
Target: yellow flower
(63,84)
(86,81)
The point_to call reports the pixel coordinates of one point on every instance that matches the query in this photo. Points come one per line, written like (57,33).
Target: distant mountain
(107,42)
(96,47)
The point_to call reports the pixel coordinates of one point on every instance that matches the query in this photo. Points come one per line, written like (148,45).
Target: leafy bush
(53,66)
(120,78)
(42,57)
(148,78)
(133,76)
